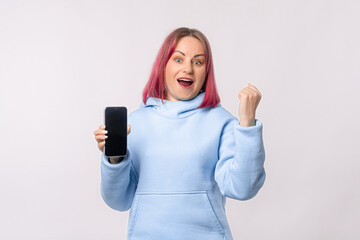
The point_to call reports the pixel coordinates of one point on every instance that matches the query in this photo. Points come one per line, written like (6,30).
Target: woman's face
(185,71)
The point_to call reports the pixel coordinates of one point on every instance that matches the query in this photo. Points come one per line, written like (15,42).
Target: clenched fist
(249,100)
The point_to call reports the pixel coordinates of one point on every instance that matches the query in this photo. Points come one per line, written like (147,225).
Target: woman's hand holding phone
(100,136)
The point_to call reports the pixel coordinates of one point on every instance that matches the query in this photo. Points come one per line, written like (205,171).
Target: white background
(63,62)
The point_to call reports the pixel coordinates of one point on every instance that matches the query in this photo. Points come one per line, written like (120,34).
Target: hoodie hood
(178,109)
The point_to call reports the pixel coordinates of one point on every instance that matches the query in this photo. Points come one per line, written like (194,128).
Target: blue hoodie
(181,164)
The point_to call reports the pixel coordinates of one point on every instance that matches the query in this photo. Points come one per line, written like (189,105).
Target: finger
(102,144)
(100,131)
(252,91)
(248,92)
(253,95)
(255,91)
(243,93)
(128,129)
(100,138)
(101,127)
(253,87)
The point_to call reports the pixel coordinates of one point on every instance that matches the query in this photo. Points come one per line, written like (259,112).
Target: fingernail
(106,137)
(104,131)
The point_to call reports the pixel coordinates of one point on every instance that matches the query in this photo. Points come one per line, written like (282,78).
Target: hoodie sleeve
(240,171)
(118,183)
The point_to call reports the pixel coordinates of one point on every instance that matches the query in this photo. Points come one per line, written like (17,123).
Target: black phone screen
(116,125)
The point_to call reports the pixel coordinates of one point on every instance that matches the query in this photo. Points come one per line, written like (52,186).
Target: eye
(198,62)
(176,59)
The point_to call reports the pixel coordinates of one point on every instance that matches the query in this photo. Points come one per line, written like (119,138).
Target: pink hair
(155,87)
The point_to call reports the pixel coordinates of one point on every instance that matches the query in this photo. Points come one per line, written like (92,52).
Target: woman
(186,153)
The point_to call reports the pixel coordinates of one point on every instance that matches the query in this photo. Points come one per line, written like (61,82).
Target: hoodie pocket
(166,215)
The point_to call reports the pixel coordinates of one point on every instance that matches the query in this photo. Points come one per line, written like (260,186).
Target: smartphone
(116,125)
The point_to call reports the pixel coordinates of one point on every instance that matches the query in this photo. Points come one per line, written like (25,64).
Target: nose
(188,68)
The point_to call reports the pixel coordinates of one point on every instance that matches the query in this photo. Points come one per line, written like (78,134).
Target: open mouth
(185,82)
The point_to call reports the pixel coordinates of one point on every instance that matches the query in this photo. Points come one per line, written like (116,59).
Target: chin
(185,97)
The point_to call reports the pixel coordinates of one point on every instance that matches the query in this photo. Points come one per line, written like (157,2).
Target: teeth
(187,80)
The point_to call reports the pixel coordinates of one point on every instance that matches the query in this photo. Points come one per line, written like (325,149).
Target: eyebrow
(197,55)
